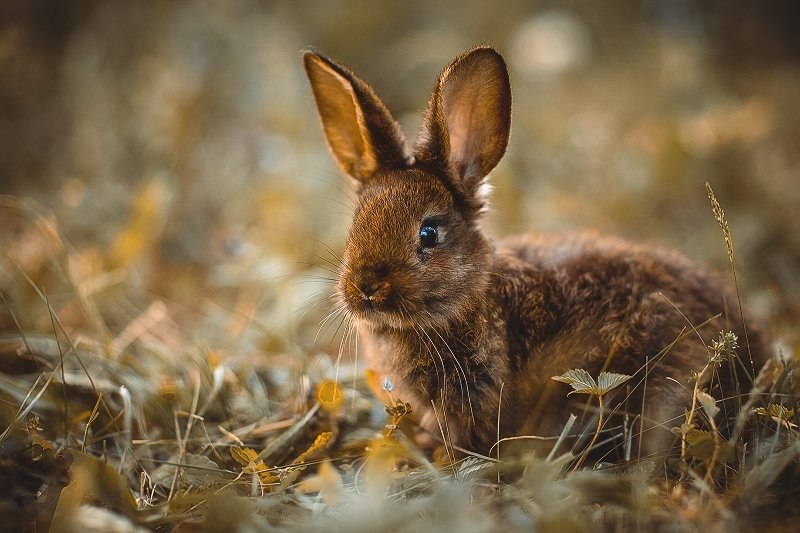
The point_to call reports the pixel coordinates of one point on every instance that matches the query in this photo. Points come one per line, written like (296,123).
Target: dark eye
(428,236)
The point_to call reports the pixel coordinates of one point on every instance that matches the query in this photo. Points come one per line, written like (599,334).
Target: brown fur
(454,324)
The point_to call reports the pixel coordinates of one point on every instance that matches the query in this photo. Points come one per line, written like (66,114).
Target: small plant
(702,444)
(583,383)
(780,414)
(719,216)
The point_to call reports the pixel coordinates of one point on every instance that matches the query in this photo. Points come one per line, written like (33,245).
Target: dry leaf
(251,464)
(330,396)
(92,481)
(709,403)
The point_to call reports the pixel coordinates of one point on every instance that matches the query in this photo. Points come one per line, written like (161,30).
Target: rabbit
(469,329)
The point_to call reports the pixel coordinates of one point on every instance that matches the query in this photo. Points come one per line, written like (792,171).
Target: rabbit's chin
(379,320)
(383,319)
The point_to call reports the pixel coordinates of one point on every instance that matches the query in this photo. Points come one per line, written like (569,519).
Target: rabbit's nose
(374,283)
(372,290)
(368,291)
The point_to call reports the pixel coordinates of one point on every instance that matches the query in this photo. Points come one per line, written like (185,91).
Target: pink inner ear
(341,117)
(476,106)
(463,142)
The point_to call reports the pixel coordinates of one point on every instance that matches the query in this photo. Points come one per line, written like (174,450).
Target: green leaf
(580,380)
(778,413)
(607,381)
(701,443)
(584,383)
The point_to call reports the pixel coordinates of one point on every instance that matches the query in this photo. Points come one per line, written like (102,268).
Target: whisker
(350,330)
(339,260)
(463,373)
(337,311)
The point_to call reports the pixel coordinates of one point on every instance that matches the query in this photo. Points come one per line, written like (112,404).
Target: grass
(139,424)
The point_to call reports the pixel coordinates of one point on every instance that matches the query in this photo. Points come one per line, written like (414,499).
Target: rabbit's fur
(470,330)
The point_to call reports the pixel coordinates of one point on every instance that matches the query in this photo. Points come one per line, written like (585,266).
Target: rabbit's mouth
(393,312)
(376,303)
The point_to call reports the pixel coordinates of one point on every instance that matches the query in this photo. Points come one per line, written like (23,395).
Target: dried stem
(585,453)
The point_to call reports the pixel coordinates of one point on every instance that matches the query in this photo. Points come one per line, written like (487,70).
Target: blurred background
(170,151)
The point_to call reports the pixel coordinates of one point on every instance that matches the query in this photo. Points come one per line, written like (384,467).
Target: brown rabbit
(470,331)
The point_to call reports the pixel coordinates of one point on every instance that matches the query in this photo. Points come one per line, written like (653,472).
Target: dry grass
(141,426)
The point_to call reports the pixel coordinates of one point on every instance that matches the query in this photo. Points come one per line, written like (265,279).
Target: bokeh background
(174,146)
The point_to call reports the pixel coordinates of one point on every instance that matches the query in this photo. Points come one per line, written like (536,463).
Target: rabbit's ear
(468,121)
(359,129)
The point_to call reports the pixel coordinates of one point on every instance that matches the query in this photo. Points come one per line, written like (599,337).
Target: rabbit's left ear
(468,121)
(360,131)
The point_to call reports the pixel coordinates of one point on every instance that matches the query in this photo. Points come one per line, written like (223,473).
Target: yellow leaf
(330,396)
(264,475)
(251,464)
(320,442)
(243,456)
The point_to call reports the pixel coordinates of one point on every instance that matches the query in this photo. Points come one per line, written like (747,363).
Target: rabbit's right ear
(468,122)
(359,129)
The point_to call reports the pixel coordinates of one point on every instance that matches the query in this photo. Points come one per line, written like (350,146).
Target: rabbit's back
(604,304)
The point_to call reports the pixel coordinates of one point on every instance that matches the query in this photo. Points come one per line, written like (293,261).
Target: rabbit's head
(415,255)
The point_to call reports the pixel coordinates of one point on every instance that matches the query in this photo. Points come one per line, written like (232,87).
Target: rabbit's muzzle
(369,290)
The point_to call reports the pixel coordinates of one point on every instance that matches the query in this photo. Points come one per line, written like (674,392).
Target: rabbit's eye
(428,236)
